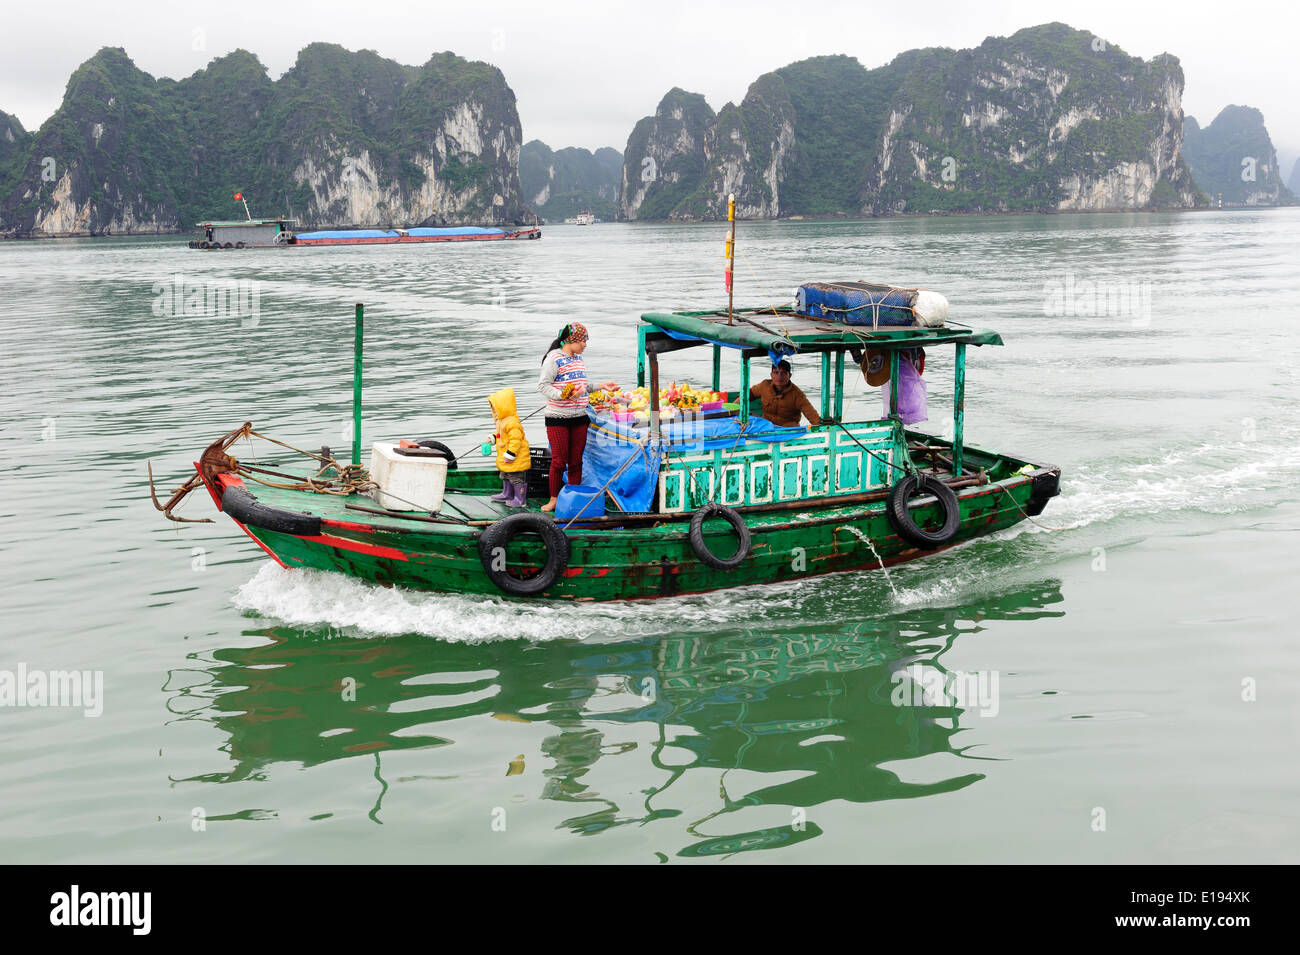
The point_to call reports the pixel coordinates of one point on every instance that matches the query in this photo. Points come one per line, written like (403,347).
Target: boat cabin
(752,462)
(246,233)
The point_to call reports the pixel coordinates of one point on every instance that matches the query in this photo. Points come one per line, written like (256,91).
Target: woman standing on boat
(564,385)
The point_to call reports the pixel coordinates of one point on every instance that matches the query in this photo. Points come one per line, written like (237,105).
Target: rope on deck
(350,478)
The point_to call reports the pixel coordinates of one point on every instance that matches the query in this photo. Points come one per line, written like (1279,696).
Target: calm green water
(752,725)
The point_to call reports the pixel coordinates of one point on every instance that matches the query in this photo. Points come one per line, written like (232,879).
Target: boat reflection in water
(822,706)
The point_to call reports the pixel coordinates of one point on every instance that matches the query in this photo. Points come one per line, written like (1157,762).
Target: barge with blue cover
(278,232)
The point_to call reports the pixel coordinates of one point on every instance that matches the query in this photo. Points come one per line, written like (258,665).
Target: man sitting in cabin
(782,401)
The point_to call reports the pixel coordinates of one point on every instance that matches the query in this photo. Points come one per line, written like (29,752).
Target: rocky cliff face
(437,144)
(665,158)
(561,183)
(342,139)
(1048,119)
(106,161)
(1234,158)
(748,152)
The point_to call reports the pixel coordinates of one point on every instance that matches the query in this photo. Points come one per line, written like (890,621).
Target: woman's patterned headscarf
(573,333)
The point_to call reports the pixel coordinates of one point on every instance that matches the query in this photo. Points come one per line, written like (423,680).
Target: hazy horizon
(584,74)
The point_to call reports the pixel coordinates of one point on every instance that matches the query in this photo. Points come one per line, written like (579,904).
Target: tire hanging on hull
(900,515)
(701,547)
(491,552)
(249,511)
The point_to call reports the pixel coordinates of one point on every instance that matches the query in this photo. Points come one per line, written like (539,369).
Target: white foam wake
(1210,478)
(317,599)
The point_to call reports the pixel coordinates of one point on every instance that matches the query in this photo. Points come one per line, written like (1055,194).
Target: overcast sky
(585,72)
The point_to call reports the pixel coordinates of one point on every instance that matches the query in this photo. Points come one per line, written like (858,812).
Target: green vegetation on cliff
(840,111)
(13,143)
(1234,158)
(558,184)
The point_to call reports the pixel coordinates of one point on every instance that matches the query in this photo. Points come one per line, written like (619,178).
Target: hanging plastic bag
(911,392)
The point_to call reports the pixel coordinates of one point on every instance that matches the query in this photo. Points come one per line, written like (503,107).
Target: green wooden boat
(739,503)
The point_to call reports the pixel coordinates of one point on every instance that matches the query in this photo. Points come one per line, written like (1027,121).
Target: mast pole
(959,410)
(731,259)
(356,386)
(654,394)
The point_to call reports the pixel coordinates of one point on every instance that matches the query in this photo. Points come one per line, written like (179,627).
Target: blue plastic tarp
(609,448)
(392,234)
(611,445)
(857,303)
(350,234)
(459,230)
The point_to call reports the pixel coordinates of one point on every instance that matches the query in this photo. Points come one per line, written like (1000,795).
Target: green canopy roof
(782,331)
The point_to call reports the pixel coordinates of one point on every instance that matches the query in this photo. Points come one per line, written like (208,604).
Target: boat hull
(640,562)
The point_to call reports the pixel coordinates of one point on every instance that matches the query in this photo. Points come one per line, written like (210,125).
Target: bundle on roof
(865,303)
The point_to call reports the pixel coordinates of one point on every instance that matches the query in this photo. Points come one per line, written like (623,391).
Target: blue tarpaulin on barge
(610,445)
(392,234)
(459,230)
(350,234)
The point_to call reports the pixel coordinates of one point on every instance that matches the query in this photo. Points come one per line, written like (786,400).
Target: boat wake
(325,604)
(344,606)
(1212,478)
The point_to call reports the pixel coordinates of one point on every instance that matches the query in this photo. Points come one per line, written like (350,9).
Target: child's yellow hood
(503,403)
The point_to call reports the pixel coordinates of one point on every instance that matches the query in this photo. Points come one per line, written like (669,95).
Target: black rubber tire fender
(502,532)
(446,451)
(229,245)
(248,510)
(1046,486)
(239,245)
(701,549)
(900,515)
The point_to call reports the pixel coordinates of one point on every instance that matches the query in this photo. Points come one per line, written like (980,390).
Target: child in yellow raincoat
(513,455)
